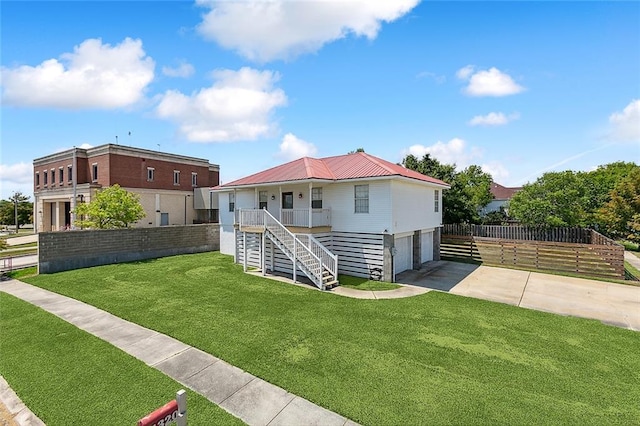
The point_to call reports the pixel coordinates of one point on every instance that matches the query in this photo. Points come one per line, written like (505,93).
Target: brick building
(173,189)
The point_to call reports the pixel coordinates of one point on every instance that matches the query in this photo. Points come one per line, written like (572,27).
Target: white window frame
(263,199)
(436,200)
(70,173)
(194,179)
(176,177)
(53,177)
(61,176)
(151,174)
(361,198)
(316,195)
(232,201)
(37,179)
(45,178)
(94,172)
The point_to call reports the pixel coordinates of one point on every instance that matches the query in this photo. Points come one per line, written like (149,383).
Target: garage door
(426,246)
(403,258)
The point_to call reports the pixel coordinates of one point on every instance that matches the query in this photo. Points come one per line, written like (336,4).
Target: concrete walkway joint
(247,397)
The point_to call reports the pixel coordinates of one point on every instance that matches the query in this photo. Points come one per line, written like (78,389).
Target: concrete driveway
(614,304)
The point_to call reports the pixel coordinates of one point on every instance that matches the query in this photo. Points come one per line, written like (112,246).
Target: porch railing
(328,259)
(300,217)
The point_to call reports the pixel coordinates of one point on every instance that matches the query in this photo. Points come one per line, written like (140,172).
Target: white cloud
(238,106)
(492,82)
(493,119)
(625,125)
(498,172)
(16,177)
(184,70)
(457,152)
(282,29)
(453,152)
(465,72)
(439,79)
(95,75)
(293,148)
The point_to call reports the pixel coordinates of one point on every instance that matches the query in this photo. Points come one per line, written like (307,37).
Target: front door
(287,200)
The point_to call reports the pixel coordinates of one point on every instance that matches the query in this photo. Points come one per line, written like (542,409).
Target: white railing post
(295,266)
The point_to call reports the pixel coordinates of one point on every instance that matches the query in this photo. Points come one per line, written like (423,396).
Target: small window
(150,174)
(194,179)
(53,177)
(46,177)
(94,172)
(316,198)
(262,200)
(232,201)
(37,178)
(69,173)
(176,177)
(361,198)
(61,175)
(436,200)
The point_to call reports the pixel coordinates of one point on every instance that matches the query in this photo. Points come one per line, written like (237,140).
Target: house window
(436,200)
(361,198)
(316,198)
(37,178)
(176,177)
(232,201)
(150,174)
(61,175)
(53,177)
(69,173)
(94,172)
(262,200)
(194,179)
(46,177)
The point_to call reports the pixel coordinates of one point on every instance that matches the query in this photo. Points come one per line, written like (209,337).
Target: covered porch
(298,207)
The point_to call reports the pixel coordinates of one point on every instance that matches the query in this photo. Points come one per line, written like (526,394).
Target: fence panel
(573,250)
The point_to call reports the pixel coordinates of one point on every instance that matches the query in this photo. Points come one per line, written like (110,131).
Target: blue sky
(519,88)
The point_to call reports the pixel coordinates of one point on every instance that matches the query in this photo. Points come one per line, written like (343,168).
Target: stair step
(331,284)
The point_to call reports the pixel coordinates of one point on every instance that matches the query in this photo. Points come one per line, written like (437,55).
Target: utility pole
(15,204)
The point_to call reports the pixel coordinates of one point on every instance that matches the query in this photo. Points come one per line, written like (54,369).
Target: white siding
(227,242)
(426,246)
(413,207)
(358,253)
(403,258)
(340,198)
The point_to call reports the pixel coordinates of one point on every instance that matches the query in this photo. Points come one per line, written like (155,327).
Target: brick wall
(63,251)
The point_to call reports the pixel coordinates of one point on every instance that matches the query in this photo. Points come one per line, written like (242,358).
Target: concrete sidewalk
(632,259)
(247,397)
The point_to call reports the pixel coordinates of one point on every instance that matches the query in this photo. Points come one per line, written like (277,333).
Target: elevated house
(352,214)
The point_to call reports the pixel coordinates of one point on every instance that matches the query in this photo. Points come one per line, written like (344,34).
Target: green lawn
(69,377)
(436,358)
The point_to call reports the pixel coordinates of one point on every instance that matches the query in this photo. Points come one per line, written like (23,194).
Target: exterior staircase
(305,252)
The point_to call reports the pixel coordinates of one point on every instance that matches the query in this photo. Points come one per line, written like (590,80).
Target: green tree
(554,199)
(357,150)
(620,216)
(8,209)
(112,207)
(470,189)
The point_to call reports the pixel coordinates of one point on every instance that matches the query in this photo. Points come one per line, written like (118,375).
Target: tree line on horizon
(606,199)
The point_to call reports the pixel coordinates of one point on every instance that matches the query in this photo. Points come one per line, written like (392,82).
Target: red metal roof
(358,165)
(502,192)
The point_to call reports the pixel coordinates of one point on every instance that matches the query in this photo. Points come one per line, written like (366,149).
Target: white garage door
(403,258)
(426,246)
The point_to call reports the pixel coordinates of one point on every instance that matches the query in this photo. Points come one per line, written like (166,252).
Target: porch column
(280,204)
(310,204)
(57,216)
(256,202)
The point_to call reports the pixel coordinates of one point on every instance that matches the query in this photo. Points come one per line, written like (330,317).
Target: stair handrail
(315,268)
(329,260)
